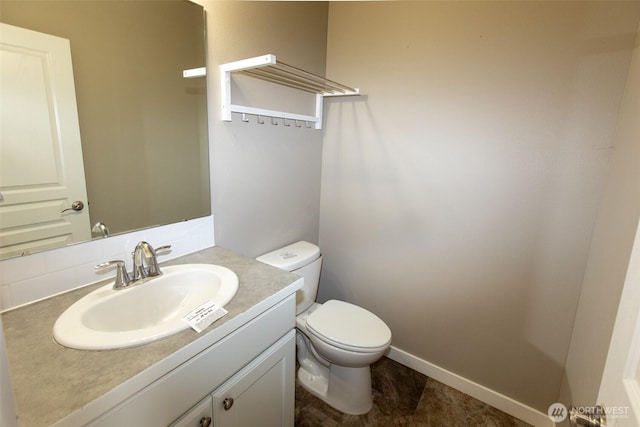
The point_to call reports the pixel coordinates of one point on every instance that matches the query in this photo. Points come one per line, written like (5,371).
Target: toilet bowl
(335,365)
(336,341)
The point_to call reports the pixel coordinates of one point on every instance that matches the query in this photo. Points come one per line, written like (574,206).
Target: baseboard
(477,391)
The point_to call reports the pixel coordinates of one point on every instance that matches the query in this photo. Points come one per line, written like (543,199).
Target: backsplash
(41,275)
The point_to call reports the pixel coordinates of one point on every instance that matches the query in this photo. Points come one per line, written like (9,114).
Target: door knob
(75,206)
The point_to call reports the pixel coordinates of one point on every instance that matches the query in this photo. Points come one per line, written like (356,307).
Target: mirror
(143,126)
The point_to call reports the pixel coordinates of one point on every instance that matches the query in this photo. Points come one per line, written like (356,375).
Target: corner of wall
(609,255)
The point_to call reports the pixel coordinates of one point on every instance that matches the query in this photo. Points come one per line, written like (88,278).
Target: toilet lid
(349,326)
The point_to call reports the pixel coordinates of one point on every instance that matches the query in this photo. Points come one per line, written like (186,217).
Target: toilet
(336,341)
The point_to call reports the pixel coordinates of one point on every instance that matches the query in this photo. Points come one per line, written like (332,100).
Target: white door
(41,170)
(620,387)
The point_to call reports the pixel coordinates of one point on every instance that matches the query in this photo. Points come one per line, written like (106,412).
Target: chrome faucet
(145,266)
(145,262)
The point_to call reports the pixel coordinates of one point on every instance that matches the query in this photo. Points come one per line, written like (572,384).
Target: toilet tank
(304,259)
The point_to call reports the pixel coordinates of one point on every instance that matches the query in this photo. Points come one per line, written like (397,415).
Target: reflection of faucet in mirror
(100,229)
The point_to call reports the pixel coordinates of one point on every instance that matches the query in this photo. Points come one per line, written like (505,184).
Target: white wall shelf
(268,68)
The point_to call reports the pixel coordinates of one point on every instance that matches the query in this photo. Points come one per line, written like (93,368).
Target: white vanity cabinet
(245,379)
(261,394)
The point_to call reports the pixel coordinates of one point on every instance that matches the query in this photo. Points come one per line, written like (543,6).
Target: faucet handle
(122,277)
(154,269)
(163,249)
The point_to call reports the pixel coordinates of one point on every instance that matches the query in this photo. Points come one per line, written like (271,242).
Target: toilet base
(346,389)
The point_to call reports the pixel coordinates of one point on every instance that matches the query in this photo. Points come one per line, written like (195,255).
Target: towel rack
(268,68)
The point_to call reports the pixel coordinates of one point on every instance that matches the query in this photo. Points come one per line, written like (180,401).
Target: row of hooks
(274,121)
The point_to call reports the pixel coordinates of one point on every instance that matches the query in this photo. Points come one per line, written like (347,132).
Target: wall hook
(307,125)
(244,118)
(298,125)
(260,119)
(284,121)
(274,121)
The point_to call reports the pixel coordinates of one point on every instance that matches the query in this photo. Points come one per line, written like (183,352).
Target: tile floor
(404,397)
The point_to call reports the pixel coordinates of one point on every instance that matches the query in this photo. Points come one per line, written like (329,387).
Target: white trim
(475,390)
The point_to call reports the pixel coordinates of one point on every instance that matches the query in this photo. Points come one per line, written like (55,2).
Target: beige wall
(609,256)
(266,179)
(460,193)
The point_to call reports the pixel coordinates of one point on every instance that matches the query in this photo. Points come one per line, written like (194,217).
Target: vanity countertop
(54,384)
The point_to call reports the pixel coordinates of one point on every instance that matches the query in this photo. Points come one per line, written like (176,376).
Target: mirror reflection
(142,125)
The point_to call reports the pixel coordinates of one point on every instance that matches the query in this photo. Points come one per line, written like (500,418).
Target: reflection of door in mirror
(41,171)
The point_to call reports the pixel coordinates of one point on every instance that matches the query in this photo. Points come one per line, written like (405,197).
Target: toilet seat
(349,327)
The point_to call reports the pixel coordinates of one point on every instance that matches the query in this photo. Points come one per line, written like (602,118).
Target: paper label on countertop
(204,315)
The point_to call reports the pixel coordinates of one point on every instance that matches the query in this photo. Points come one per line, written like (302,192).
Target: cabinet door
(200,415)
(262,393)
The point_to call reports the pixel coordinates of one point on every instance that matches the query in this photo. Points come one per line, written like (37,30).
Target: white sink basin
(108,318)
